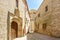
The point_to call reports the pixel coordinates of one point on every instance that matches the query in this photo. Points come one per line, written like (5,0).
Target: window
(16,3)
(44,26)
(38,15)
(46,8)
(34,12)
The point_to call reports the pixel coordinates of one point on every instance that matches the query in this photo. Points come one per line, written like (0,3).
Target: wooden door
(14,30)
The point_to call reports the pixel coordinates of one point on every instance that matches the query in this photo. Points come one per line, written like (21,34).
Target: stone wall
(49,22)
(10,6)
(3,19)
(55,18)
(32,18)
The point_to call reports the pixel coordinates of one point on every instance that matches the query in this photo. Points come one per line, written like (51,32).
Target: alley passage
(36,36)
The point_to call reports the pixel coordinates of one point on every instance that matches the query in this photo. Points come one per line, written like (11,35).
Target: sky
(34,4)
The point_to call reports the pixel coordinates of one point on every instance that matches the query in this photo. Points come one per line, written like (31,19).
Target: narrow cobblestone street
(36,36)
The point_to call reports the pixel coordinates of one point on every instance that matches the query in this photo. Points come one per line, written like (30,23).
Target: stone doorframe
(19,22)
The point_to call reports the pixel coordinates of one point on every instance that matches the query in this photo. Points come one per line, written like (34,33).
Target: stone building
(47,20)
(27,22)
(12,19)
(32,14)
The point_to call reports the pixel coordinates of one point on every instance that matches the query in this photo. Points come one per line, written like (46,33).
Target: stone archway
(14,30)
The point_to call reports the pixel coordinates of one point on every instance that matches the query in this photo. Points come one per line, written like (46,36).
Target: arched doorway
(14,30)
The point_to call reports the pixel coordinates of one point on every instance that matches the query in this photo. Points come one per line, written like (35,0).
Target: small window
(38,15)
(44,26)
(34,13)
(46,8)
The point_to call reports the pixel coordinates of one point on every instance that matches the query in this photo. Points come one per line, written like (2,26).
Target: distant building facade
(47,20)
(12,19)
(32,18)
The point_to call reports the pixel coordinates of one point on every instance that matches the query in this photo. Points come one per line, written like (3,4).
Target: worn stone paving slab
(36,36)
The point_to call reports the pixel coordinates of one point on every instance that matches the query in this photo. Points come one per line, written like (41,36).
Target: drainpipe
(8,21)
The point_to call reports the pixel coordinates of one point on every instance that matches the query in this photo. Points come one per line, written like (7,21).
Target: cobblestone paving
(36,36)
